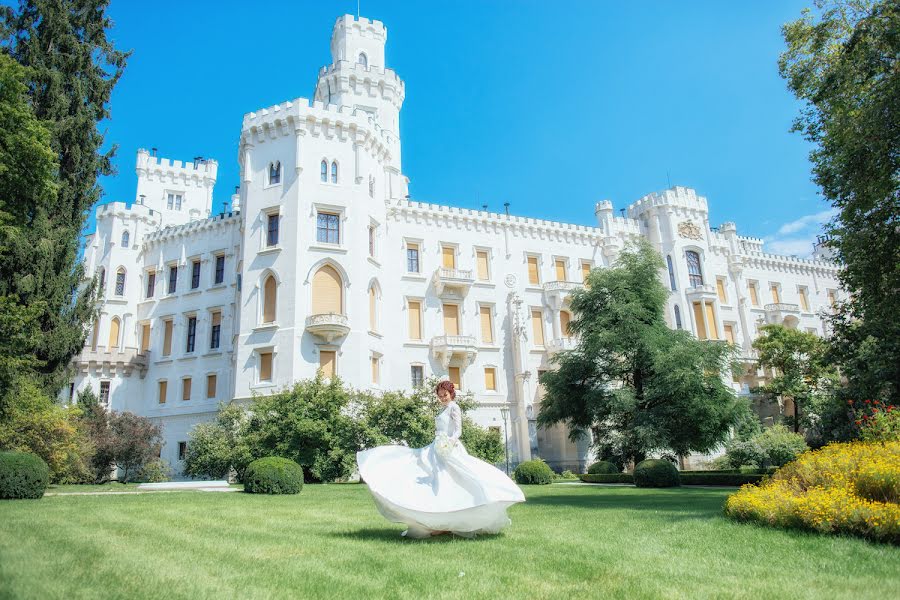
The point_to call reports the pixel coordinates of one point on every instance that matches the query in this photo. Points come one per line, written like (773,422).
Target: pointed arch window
(363,59)
(101,276)
(120,282)
(695,273)
(270,291)
(677,317)
(671,272)
(126,238)
(334,171)
(373,309)
(113,333)
(327,292)
(274,172)
(323,171)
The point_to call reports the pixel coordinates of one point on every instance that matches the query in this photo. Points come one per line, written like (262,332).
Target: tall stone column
(521,376)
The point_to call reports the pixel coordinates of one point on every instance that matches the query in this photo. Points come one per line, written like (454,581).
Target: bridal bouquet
(444,445)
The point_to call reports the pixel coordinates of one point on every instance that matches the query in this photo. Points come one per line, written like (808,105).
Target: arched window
(363,59)
(565,320)
(269,299)
(695,274)
(327,292)
(671,272)
(274,172)
(126,238)
(101,279)
(120,282)
(373,309)
(113,334)
(677,317)
(323,173)
(333,171)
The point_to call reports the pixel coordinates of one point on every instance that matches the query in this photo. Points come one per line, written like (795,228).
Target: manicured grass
(82,489)
(329,542)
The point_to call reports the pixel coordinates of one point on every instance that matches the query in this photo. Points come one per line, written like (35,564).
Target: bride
(439,488)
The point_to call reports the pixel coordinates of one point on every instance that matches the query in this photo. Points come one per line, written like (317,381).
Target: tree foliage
(71,69)
(638,385)
(842,62)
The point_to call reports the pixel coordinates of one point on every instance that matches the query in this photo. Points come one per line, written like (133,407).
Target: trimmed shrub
(273,475)
(603,467)
(848,488)
(535,472)
(655,472)
(23,475)
(155,471)
(607,478)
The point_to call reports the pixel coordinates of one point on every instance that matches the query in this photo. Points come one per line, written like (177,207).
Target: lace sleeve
(455,422)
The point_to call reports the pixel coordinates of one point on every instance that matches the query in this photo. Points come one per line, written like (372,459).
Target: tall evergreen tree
(843,62)
(72,68)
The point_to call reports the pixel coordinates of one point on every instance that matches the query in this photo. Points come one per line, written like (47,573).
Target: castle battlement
(346,77)
(189,229)
(362,26)
(154,166)
(676,196)
(134,212)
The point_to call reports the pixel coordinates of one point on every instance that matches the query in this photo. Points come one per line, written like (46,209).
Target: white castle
(325,263)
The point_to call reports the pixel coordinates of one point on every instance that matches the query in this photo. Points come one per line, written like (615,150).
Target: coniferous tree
(71,69)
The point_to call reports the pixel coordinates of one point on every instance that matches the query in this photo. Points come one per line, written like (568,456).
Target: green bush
(273,475)
(603,467)
(726,479)
(780,445)
(155,471)
(607,478)
(654,472)
(533,472)
(23,475)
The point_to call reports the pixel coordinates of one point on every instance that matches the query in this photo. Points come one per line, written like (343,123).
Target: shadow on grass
(393,536)
(672,503)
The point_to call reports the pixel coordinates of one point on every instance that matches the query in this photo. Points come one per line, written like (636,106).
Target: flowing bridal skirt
(430,493)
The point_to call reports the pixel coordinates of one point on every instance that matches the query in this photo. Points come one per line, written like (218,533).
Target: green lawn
(329,541)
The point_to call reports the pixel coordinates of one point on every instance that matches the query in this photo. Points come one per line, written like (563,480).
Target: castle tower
(180,192)
(358,78)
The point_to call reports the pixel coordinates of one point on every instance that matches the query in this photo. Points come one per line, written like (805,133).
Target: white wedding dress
(439,487)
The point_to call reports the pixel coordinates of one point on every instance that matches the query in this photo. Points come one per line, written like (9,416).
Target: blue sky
(550,106)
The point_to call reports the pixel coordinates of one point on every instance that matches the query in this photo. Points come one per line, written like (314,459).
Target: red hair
(448,386)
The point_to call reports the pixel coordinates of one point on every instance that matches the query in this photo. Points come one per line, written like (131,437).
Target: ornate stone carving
(510,280)
(689,230)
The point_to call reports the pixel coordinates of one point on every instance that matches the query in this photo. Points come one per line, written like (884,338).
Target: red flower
(850,402)
(868,402)
(858,421)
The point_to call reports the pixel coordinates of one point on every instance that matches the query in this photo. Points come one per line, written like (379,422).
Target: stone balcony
(557,293)
(701,292)
(782,313)
(328,326)
(116,361)
(561,345)
(447,347)
(452,281)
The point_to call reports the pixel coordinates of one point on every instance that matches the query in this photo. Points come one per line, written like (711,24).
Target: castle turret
(179,191)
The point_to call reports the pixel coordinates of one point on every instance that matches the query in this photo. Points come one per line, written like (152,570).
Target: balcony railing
(456,280)
(328,326)
(116,360)
(561,286)
(446,347)
(557,292)
(561,344)
(782,307)
(782,313)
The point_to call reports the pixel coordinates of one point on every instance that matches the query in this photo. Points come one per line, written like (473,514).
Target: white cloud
(798,236)
(806,222)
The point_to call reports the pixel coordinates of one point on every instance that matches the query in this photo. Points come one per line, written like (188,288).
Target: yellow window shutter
(720,288)
(585,271)
(113,334)
(698,319)
(167,337)
(537,326)
(482,265)
(487,331)
(804,301)
(163,388)
(210,386)
(186,388)
(564,319)
(374,369)
(265,366)
(490,379)
(754,295)
(269,299)
(776,297)
(145,337)
(217,318)
(415,320)
(327,362)
(372,322)
(560,270)
(711,322)
(533,277)
(448,255)
(327,292)
(454,375)
(451,319)
(729,333)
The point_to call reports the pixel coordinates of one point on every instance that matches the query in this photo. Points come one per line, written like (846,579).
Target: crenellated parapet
(189,230)
(361,81)
(677,197)
(199,174)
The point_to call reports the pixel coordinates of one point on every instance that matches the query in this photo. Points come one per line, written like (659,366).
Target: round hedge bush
(23,475)
(603,467)
(654,472)
(535,472)
(273,475)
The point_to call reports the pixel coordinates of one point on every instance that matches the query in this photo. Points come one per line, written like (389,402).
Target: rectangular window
(448,257)
(375,373)
(211,386)
(487,326)
(163,388)
(533,273)
(415,320)
(173,278)
(417,375)
(168,325)
(490,379)
(328,228)
(537,327)
(832,297)
(265,366)
(729,333)
(412,258)
(754,294)
(173,201)
(195,274)
(145,337)
(151,283)
(560,265)
(711,321)
(585,270)
(327,360)
(482,260)
(215,331)
(220,269)
(720,289)
(272,230)
(804,298)
(451,319)
(104,393)
(455,376)
(698,319)
(776,296)
(186,388)
(182,450)
(191,334)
